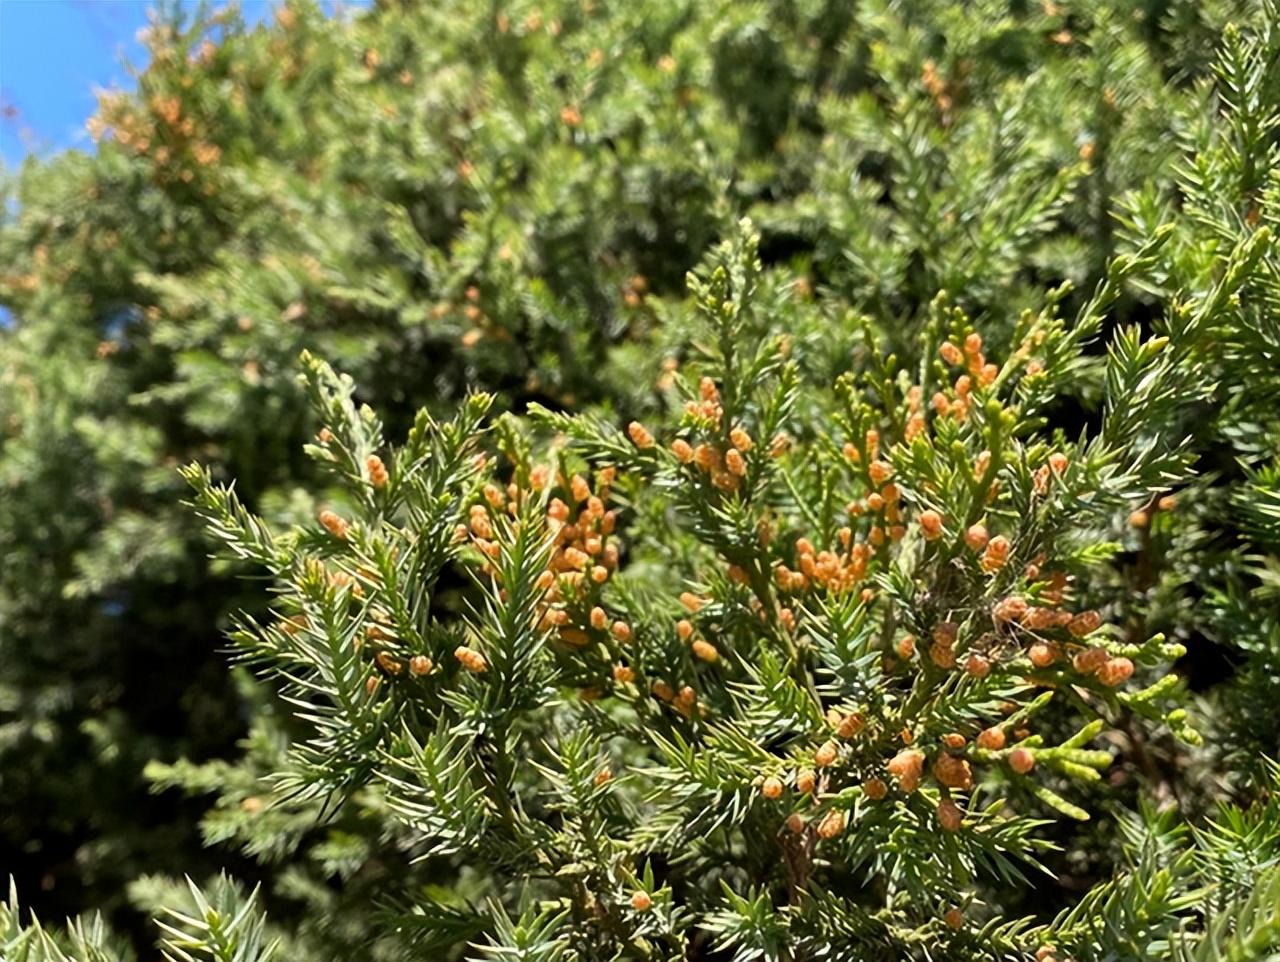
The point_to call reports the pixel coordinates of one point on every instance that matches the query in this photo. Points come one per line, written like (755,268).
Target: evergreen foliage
(795,481)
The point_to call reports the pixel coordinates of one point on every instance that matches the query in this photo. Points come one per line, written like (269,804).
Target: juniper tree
(1217,539)
(451,197)
(770,685)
